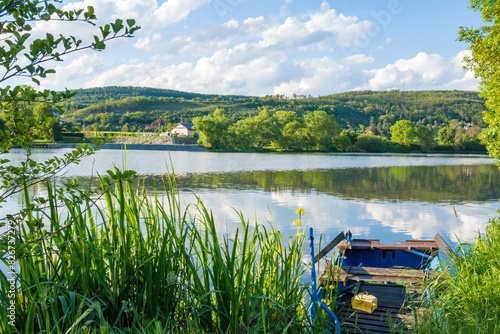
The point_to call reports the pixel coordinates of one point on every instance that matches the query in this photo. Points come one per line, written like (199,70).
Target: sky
(268,47)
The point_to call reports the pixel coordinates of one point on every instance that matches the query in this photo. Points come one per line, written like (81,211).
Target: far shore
(198,148)
(151,147)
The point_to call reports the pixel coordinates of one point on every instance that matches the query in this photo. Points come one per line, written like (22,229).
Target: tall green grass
(466,297)
(135,265)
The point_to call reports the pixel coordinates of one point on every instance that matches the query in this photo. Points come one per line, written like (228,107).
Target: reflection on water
(381,197)
(467,183)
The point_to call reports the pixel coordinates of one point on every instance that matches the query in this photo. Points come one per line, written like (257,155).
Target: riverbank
(149,147)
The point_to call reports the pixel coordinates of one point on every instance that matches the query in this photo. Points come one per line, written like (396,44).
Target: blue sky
(265,47)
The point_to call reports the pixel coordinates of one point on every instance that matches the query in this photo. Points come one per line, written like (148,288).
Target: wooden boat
(391,273)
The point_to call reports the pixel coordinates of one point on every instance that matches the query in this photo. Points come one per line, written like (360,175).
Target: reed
(135,265)
(466,297)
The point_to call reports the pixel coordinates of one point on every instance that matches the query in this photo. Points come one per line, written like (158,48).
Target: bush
(369,143)
(342,143)
(471,144)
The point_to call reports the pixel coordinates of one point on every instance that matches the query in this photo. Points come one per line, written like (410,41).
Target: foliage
(466,298)
(446,135)
(321,129)
(22,56)
(214,130)
(403,132)
(369,143)
(342,143)
(424,138)
(48,125)
(27,115)
(485,63)
(136,261)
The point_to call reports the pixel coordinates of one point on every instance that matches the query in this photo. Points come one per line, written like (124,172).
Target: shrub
(369,143)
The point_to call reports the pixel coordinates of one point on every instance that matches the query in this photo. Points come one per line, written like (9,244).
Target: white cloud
(148,43)
(239,70)
(257,55)
(359,59)
(319,77)
(424,71)
(85,67)
(321,25)
(149,14)
(174,11)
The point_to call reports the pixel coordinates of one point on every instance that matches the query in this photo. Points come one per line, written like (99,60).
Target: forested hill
(113,108)
(88,96)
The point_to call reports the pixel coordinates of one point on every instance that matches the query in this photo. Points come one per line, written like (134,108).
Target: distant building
(183,129)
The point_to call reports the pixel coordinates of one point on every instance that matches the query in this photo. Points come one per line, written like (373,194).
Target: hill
(112,108)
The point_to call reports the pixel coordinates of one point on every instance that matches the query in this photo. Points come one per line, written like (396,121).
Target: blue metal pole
(315,291)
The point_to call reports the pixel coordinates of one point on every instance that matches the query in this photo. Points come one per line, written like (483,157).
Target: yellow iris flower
(299,210)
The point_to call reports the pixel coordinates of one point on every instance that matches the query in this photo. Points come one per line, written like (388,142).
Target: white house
(183,129)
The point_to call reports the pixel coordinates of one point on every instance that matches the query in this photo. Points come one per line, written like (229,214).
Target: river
(387,197)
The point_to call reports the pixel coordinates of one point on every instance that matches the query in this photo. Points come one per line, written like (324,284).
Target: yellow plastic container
(364,302)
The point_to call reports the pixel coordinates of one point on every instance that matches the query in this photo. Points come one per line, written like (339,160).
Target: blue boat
(390,274)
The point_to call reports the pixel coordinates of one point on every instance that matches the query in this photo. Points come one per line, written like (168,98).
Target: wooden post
(443,245)
(330,246)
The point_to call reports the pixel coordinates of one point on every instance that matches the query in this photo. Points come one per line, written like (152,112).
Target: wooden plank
(443,245)
(389,272)
(330,246)
(381,279)
(375,274)
(424,245)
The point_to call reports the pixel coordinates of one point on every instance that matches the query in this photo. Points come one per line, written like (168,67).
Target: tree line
(318,131)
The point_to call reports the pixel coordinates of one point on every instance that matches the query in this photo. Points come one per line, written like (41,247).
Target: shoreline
(197,148)
(143,147)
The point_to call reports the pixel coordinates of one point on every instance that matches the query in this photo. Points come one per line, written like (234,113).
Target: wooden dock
(398,289)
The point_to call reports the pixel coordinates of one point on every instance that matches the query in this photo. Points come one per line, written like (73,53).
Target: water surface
(384,197)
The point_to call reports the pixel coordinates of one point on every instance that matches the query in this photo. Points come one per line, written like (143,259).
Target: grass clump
(466,297)
(134,265)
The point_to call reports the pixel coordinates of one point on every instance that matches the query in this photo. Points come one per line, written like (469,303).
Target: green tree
(257,131)
(403,132)
(342,143)
(321,129)
(293,132)
(266,128)
(214,130)
(446,135)
(485,63)
(369,143)
(425,138)
(47,124)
